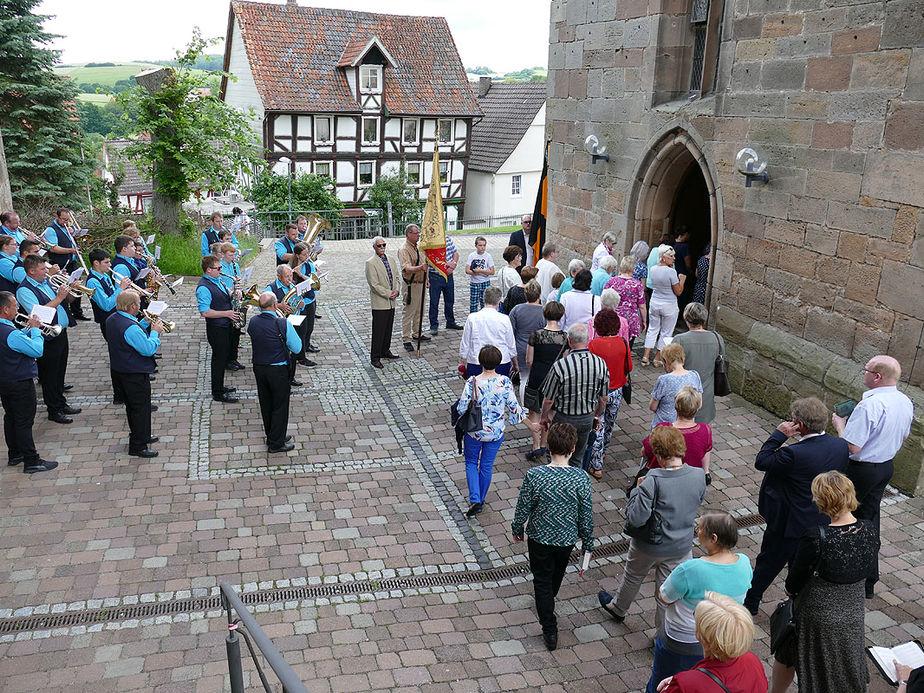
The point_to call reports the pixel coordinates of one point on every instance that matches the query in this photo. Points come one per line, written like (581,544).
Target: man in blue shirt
(445,288)
(18,351)
(52,365)
(214,304)
(9,225)
(273,339)
(231,270)
(279,289)
(285,246)
(15,272)
(64,252)
(9,258)
(104,298)
(211,234)
(131,362)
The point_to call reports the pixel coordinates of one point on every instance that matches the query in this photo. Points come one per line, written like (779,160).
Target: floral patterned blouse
(499,406)
(631,301)
(641,271)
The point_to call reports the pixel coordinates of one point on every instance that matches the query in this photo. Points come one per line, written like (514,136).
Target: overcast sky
(504,35)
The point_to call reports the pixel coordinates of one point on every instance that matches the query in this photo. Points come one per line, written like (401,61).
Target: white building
(507,149)
(352,95)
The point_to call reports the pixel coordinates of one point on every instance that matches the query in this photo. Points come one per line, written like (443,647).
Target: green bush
(182,255)
(270,192)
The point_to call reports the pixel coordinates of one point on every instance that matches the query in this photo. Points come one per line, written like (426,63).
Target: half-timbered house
(352,95)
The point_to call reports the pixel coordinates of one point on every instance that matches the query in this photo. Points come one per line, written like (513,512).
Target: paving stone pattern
(374,489)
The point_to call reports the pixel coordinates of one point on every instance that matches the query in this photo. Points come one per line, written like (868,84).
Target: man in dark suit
(785,499)
(520,238)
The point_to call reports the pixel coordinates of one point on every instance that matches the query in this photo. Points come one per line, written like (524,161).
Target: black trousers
(310,312)
(383,323)
(235,343)
(219,339)
(134,389)
(18,399)
(869,481)
(52,367)
(776,551)
(273,393)
(548,564)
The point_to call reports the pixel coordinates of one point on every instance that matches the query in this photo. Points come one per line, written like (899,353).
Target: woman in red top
(726,631)
(698,436)
(614,350)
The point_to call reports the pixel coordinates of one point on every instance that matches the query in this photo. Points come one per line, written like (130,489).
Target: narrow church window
(699,15)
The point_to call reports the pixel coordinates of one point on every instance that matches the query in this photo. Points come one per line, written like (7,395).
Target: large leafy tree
(197,142)
(38,113)
(270,192)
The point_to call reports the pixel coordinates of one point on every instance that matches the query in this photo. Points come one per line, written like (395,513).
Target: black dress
(829,606)
(547,346)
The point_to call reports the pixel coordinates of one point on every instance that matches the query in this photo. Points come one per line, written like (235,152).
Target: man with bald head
(273,338)
(875,432)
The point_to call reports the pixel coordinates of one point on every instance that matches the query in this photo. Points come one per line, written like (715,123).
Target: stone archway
(673,168)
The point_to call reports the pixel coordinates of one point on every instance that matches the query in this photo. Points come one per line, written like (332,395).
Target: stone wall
(831,94)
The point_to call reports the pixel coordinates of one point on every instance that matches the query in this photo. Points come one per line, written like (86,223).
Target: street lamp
(287,161)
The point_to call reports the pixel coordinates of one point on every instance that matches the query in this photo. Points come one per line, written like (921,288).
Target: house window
(370,130)
(413,173)
(322,169)
(322,130)
(445,131)
(444,171)
(366,173)
(409,131)
(370,79)
(515,185)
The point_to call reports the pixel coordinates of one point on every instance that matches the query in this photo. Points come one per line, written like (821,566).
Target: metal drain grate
(89,617)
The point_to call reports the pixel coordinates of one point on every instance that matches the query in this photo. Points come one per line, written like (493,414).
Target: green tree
(196,140)
(37,113)
(394,188)
(270,192)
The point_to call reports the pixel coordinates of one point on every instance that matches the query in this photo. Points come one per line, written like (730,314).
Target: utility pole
(6,195)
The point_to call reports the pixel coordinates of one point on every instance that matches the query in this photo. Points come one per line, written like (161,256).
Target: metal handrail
(231,602)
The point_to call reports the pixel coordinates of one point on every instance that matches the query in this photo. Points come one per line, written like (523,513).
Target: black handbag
(470,420)
(721,387)
(627,388)
(783,618)
(652,532)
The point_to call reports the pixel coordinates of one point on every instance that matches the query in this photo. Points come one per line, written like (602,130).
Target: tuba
(316,224)
(50,331)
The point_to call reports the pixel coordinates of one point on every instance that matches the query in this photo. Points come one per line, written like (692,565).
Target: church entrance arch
(674,187)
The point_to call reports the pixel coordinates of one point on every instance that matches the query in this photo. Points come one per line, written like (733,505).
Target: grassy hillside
(103,75)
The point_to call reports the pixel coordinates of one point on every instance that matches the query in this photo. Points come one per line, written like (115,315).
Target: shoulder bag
(627,388)
(721,387)
(652,532)
(783,618)
(715,678)
(470,420)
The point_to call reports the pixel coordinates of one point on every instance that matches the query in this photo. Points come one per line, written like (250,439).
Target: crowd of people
(569,340)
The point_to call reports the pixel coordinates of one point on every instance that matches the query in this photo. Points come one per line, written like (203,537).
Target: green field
(98,99)
(103,75)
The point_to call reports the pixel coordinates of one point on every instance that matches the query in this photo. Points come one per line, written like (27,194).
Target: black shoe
(67,387)
(152,377)
(153,407)
(474,510)
(454,327)
(40,466)
(81,316)
(318,316)
(753,609)
(377,363)
(296,383)
(227,389)
(60,418)
(312,349)
(308,363)
(535,454)
(424,338)
(68,409)
(116,400)
(231,367)
(13,461)
(550,640)
(390,355)
(153,439)
(285,448)
(408,346)
(226,398)
(146,452)
(606,601)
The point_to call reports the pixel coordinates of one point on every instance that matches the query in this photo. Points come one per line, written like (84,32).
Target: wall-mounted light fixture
(595,149)
(751,167)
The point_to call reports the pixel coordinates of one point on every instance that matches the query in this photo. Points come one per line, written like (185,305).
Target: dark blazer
(785,499)
(518,239)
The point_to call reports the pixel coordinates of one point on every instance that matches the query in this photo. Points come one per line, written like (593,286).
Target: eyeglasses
(379,245)
(867,370)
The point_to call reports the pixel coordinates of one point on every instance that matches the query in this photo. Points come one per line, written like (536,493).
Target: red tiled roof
(294,52)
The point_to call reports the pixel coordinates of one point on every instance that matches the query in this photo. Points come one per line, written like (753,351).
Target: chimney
(292,3)
(484,85)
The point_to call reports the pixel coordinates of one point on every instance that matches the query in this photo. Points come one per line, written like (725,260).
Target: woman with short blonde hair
(698,436)
(668,385)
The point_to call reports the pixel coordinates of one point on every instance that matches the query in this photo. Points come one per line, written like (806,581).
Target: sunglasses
(379,245)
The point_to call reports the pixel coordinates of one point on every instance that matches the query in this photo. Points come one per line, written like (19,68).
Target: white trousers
(662,319)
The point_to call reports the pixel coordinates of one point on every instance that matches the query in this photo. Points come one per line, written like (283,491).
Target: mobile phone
(845,409)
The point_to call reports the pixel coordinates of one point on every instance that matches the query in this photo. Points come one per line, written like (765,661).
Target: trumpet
(118,278)
(76,289)
(151,318)
(22,321)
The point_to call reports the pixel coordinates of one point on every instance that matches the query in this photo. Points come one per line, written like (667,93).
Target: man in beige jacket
(382,277)
(414,281)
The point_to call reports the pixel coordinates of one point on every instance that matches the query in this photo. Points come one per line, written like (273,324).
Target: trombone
(76,289)
(151,318)
(50,331)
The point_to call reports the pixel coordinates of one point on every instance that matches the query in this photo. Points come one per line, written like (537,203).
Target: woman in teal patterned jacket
(556,508)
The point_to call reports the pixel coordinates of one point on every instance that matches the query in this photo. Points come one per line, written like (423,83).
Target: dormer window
(370,79)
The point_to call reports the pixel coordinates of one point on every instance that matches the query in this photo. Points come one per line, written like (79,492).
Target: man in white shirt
(875,432)
(547,267)
(488,326)
(604,249)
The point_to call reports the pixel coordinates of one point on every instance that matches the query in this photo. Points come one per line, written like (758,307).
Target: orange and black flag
(537,229)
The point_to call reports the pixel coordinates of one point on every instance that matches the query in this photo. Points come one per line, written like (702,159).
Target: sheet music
(177,282)
(143,273)
(157,307)
(296,320)
(43,313)
(150,239)
(157,252)
(75,275)
(248,273)
(245,253)
(303,287)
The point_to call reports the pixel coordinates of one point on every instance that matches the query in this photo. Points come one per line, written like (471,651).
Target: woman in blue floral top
(668,385)
(499,406)
(640,253)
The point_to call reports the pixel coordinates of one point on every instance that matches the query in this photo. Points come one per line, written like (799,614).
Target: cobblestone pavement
(362,523)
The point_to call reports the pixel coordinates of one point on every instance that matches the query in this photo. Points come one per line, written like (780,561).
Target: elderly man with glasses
(520,238)
(382,277)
